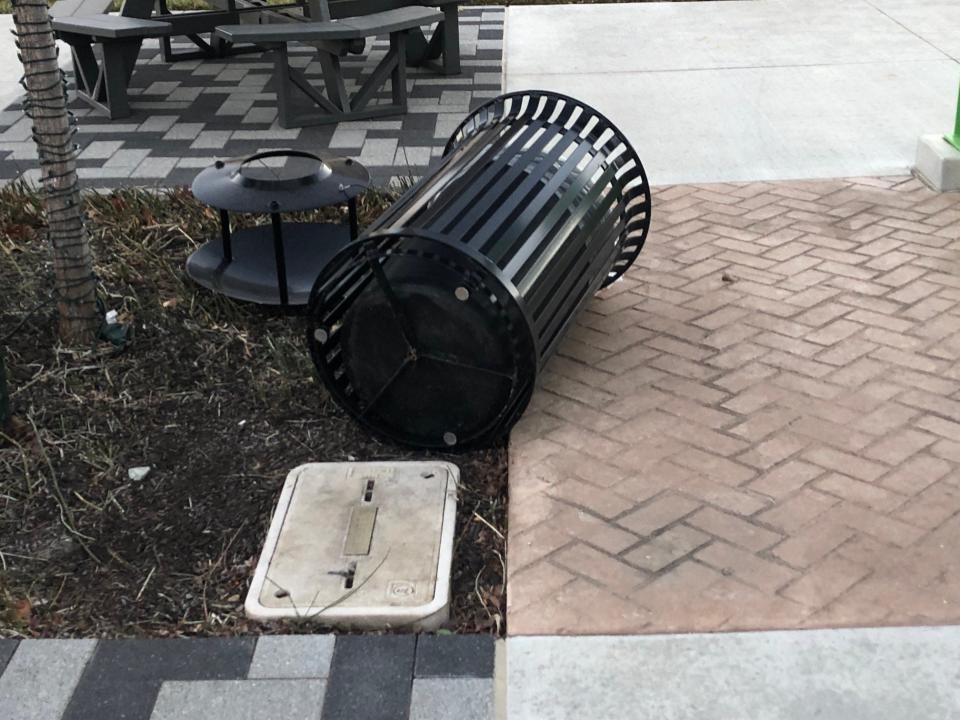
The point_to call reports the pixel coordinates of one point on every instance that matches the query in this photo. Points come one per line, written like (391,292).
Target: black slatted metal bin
(431,328)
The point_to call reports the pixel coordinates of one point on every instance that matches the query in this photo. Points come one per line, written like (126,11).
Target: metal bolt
(321,335)
(462,294)
(450,438)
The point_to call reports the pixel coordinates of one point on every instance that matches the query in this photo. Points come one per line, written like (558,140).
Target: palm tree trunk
(46,104)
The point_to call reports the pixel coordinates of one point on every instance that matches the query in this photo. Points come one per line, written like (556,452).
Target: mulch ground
(219,398)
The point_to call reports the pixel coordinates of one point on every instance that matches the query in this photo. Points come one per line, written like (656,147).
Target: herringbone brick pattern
(758,427)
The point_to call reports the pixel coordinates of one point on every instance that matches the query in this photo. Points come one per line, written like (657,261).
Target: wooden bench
(333,39)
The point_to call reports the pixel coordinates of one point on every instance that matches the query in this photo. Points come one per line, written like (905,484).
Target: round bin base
(420,343)
(252,274)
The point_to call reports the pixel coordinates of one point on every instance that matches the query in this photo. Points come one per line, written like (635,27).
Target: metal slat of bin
(538,202)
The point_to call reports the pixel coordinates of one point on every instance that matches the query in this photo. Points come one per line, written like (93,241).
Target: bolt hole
(426,475)
(368,491)
(281,594)
(349,576)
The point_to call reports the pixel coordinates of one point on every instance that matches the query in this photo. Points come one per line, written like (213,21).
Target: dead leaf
(22,611)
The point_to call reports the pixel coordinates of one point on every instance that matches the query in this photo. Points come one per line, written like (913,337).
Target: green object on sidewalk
(954,139)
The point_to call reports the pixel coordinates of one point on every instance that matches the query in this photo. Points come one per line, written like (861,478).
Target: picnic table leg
(284,86)
(333,79)
(445,41)
(85,67)
(117,70)
(451,39)
(398,83)
(166,48)
(418,48)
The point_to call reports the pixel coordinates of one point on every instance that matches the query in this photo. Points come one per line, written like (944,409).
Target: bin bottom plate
(430,354)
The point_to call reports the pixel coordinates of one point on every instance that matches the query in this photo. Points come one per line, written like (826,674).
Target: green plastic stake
(955,138)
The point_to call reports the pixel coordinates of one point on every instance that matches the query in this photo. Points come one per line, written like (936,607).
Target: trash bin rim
(451,144)
(619,268)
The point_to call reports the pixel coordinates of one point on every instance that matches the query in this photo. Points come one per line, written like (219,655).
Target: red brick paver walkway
(759,427)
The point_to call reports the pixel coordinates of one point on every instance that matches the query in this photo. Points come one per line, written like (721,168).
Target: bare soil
(219,398)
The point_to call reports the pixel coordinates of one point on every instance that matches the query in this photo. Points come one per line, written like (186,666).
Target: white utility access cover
(365,545)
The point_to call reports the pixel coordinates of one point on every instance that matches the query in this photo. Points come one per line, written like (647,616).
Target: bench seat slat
(346,29)
(110,26)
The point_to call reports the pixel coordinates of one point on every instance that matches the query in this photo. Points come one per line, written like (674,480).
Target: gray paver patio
(240,700)
(445,656)
(869,674)
(188,113)
(122,677)
(296,677)
(41,676)
(370,678)
(297,656)
(188,659)
(7,648)
(452,698)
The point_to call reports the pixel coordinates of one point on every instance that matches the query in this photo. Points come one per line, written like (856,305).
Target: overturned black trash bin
(431,328)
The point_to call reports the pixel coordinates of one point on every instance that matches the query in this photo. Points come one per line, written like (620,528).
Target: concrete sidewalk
(731,91)
(888,674)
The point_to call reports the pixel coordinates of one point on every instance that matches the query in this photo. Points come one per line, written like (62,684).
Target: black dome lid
(280,181)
